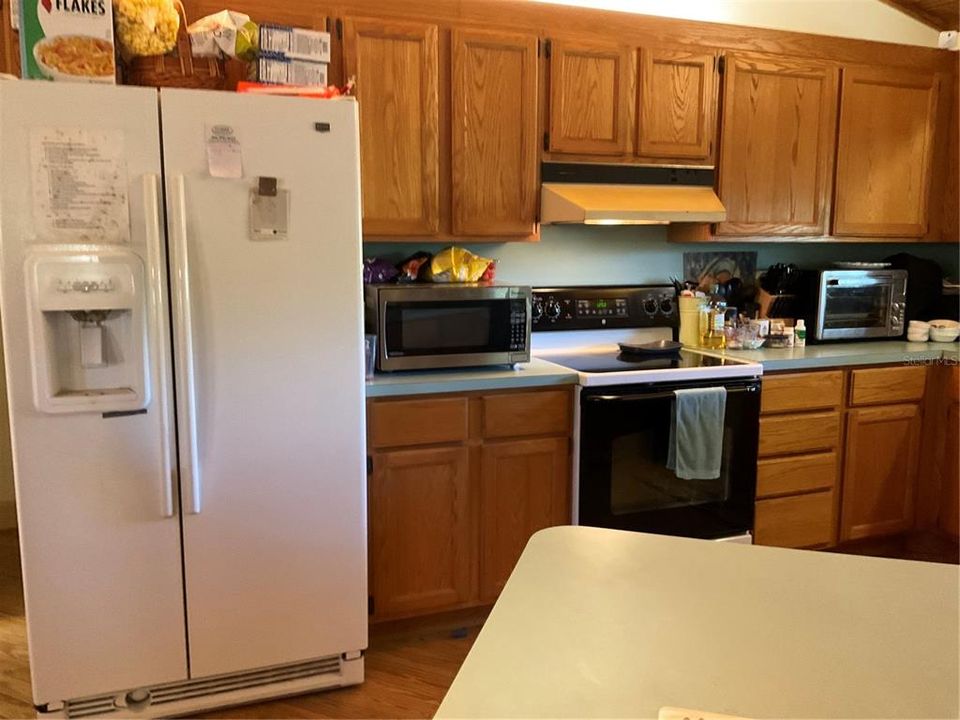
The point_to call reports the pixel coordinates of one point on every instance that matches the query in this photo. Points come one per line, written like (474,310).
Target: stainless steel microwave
(856,304)
(429,326)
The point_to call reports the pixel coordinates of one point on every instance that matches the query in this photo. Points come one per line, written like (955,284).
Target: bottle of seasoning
(800,334)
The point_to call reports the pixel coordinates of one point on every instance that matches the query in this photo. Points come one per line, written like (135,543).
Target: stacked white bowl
(918,331)
(944,331)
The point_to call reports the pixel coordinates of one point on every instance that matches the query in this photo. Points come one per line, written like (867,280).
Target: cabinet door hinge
(547,48)
(546,142)
(338,26)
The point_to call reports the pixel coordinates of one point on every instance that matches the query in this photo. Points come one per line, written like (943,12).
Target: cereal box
(294,43)
(283,71)
(67,40)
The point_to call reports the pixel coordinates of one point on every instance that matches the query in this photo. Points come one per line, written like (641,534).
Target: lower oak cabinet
(458,484)
(839,455)
(880,470)
(798,466)
(524,487)
(421,534)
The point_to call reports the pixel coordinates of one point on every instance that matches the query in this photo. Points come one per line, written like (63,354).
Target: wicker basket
(178,68)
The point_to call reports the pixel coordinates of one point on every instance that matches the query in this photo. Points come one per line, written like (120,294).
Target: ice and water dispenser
(88,329)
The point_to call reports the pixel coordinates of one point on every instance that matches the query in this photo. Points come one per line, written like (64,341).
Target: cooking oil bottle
(711,321)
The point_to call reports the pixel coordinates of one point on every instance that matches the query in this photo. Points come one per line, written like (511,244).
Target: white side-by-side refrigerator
(181,308)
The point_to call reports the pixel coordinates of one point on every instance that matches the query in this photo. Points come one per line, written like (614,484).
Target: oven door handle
(656,396)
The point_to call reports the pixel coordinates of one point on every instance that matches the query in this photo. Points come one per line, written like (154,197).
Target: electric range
(580,328)
(625,410)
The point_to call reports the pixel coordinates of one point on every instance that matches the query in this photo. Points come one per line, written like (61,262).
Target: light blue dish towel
(696,433)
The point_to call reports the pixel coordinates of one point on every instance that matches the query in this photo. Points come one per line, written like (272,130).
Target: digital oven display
(602,307)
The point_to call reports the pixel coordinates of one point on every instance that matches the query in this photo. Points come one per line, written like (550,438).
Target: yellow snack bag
(454,264)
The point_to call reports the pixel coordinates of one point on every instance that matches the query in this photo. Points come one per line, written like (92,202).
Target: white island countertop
(602,623)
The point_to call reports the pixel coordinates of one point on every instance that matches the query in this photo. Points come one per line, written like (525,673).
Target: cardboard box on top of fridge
(285,71)
(293,43)
(67,40)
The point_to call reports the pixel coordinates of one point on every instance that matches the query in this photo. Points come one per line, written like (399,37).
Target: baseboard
(8,514)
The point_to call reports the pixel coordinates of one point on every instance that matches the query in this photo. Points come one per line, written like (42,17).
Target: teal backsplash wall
(579,255)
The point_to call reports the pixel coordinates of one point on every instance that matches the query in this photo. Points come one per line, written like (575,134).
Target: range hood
(581,194)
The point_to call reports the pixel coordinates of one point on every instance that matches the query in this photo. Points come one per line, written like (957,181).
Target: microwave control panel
(588,308)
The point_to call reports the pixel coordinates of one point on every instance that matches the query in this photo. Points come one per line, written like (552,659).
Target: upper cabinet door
(397,71)
(776,146)
(885,152)
(494,133)
(589,98)
(676,105)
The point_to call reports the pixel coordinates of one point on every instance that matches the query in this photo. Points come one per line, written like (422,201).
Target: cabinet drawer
(526,413)
(799,521)
(399,423)
(802,391)
(803,433)
(801,473)
(883,386)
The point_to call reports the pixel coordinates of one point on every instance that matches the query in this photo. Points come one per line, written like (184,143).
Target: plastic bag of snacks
(414,267)
(378,270)
(224,34)
(454,264)
(145,27)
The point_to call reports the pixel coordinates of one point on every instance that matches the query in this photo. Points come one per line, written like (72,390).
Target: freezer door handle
(154,229)
(183,337)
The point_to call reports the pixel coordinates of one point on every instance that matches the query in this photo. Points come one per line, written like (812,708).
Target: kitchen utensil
(660,347)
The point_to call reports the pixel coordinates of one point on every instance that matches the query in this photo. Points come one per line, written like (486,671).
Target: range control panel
(598,307)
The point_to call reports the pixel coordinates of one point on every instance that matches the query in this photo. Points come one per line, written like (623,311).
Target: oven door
(623,479)
(857,305)
(453,327)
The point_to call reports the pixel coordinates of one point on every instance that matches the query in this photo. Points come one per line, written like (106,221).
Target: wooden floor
(409,666)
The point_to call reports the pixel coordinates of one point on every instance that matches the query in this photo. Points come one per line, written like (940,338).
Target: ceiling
(938,14)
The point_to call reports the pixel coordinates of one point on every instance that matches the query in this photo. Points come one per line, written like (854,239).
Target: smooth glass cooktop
(614,361)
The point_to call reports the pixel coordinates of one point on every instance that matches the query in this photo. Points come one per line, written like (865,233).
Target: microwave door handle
(655,396)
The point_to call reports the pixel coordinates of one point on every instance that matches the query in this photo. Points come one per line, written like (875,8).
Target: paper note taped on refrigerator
(79,185)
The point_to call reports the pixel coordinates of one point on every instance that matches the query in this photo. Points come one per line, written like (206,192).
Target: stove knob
(650,306)
(666,306)
(553,309)
(537,309)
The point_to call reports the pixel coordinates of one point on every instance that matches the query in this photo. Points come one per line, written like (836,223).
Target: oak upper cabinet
(396,65)
(421,531)
(777,145)
(494,141)
(880,470)
(590,98)
(885,152)
(524,488)
(676,105)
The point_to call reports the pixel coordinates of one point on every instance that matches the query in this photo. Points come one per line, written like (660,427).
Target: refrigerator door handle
(187,398)
(151,207)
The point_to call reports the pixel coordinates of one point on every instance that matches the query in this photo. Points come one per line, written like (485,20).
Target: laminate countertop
(541,373)
(536,373)
(598,623)
(847,354)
